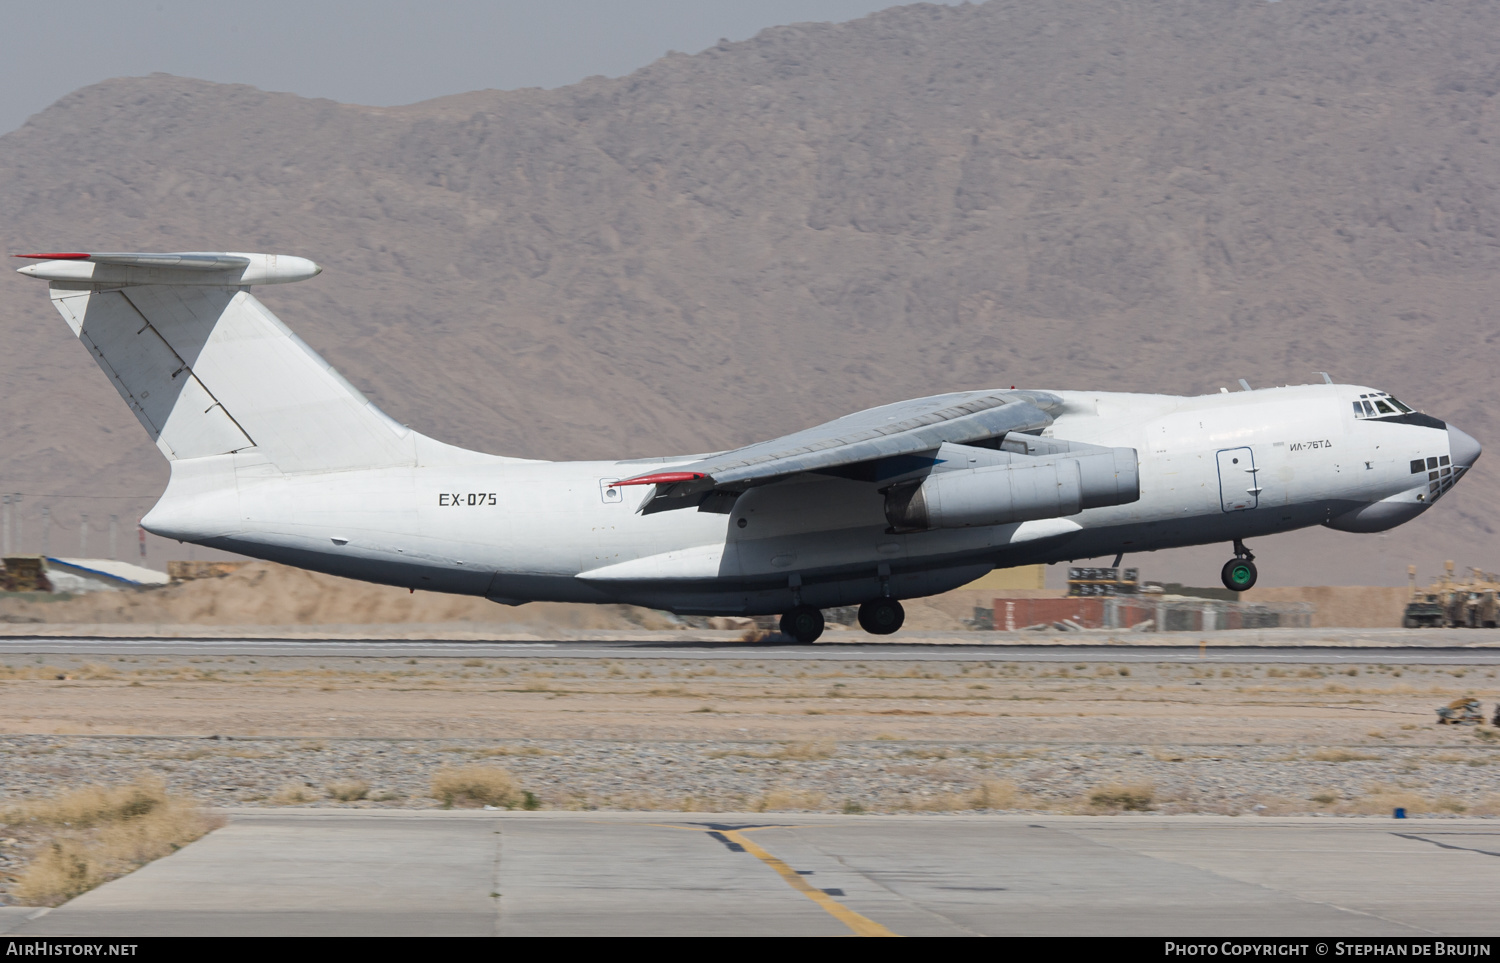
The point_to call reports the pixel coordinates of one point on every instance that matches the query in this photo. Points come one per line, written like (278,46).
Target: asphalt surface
(570,874)
(1198,648)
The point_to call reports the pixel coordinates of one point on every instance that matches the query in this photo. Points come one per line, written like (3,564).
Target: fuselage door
(1239,485)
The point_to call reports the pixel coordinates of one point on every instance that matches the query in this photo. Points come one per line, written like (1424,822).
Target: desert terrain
(731,734)
(261,599)
(738,243)
(1197,729)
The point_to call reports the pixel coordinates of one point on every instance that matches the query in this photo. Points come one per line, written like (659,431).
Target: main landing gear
(881,616)
(803,623)
(1239,572)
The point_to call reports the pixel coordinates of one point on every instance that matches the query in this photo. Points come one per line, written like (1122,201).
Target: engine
(1020,489)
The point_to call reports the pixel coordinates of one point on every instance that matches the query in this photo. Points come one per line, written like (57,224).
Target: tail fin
(208,369)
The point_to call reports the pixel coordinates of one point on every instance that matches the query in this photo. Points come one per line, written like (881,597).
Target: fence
(1148,613)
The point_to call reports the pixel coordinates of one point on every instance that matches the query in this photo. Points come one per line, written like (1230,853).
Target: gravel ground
(881,775)
(757,734)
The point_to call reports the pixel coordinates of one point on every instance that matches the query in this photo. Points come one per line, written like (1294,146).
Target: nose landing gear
(1239,573)
(881,616)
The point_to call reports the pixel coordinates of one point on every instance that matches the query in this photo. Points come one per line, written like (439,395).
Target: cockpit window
(1378,404)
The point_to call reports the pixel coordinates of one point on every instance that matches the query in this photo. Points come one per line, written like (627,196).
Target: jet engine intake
(1025,489)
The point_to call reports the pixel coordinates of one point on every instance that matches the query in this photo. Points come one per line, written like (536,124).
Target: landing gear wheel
(1239,575)
(881,616)
(803,623)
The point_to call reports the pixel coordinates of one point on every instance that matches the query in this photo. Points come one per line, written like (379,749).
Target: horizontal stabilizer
(192,262)
(190,267)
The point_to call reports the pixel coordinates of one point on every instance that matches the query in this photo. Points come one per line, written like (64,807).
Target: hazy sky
(369,52)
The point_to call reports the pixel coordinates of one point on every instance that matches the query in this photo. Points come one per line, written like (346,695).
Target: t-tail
(230,395)
(208,370)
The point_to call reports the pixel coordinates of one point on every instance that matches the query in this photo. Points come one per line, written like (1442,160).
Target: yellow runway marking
(861,925)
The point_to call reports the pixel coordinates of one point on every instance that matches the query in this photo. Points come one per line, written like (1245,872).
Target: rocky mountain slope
(730,245)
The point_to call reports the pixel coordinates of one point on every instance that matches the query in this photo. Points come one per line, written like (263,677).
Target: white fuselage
(1212,469)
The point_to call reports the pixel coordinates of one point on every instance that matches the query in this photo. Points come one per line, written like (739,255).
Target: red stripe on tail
(663,478)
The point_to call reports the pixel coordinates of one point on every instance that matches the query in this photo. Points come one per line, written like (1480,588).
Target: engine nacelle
(1023,489)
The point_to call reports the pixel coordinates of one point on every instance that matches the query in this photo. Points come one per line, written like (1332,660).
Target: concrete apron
(391,872)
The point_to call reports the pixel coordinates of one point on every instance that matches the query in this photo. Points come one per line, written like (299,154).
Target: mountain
(718,248)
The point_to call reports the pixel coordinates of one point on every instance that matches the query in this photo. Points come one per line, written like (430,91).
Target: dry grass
(50,672)
(790,752)
(1116,797)
(93,834)
(1341,755)
(1381,801)
(991,794)
(777,799)
(655,802)
(1000,794)
(347,790)
(293,794)
(480,786)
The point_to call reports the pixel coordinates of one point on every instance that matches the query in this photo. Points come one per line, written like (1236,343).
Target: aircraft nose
(1462,447)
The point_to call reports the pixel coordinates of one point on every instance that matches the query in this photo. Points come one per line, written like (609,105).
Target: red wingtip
(662,478)
(55,257)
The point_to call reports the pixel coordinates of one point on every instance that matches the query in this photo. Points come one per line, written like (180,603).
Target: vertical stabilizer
(209,370)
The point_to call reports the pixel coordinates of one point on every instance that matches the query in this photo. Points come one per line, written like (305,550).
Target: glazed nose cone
(1462,447)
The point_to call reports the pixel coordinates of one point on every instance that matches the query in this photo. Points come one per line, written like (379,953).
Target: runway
(341,872)
(1195,648)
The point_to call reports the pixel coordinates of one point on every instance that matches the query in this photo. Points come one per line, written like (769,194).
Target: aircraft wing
(903,428)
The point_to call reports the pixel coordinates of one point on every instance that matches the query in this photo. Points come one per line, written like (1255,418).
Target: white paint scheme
(228,268)
(276,456)
(99,574)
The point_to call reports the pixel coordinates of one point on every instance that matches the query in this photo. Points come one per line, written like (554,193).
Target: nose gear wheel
(1239,575)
